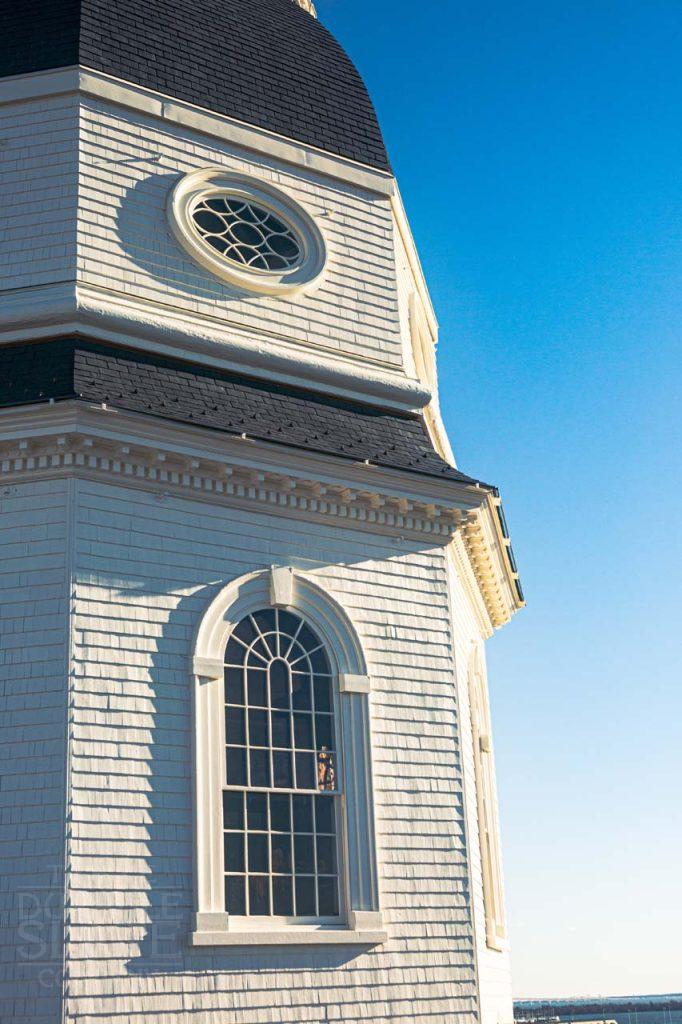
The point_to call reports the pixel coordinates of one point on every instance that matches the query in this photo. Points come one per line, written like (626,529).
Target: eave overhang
(114,446)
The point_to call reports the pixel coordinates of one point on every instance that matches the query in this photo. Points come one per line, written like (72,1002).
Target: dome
(267,63)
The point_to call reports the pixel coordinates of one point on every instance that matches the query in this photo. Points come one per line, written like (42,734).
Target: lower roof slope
(69,368)
(265,62)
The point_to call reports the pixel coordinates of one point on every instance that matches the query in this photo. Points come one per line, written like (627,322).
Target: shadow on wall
(146,238)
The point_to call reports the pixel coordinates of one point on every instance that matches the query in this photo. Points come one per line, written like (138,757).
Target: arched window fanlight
(246,232)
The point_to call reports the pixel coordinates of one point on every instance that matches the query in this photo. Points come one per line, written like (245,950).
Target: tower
(247,766)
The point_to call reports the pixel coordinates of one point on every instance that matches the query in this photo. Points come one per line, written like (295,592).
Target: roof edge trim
(81,80)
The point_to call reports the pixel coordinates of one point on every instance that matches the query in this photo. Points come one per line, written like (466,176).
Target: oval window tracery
(246,233)
(280,798)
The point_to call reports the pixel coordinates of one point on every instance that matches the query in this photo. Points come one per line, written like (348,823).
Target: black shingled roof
(265,62)
(69,368)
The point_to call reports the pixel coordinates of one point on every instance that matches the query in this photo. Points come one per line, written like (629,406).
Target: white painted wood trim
(88,82)
(349,683)
(108,315)
(281,586)
(208,668)
(291,937)
(360,885)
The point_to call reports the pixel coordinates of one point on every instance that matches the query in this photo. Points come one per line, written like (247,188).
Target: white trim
(88,82)
(281,586)
(103,314)
(358,860)
(207,668)
(349,683)
(486,800)
(300,936)
(216,182)
(98,442)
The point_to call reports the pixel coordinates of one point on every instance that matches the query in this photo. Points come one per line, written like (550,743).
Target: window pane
(279,812)
(265,620)
(324,815)
(287,622)
(304,852)
(305,897)
(233,810)
(257,811)
(235,725)
(282,897)
(326,770)
(328,892)
(305,771)
(257,687)
(260,768)
(324,731)
(245,631)
(234,685)
(279,684)
(300,688)
(319,662)
(303,814)
(307,638)
(281,854)
(258,728)
(323,693)
(258,852)
(281,763)
(234,851)
(326,855)
(236,766)
(235,653)
(303,730)
(259,895)
(281,729)
(235,895)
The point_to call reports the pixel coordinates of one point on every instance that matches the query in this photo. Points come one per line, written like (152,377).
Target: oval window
(247,233)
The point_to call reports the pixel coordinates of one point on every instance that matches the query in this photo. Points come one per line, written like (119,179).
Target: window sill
(366,933)
(291,937)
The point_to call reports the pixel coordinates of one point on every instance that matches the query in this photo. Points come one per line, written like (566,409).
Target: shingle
(69,368)
(264,62)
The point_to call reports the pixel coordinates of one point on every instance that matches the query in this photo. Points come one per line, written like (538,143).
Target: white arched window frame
(486,801)
(360,921)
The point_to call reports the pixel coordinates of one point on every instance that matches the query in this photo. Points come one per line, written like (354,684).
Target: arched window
(486,800)
(280,804)
(285,843)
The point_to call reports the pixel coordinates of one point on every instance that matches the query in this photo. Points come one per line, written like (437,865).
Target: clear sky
(538,148)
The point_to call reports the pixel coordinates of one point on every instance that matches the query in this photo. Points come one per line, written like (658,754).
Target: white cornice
(86,82)
(48,311)
(95,441)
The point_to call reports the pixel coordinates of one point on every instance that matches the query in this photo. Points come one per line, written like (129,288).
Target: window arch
(486,801)
(284,813)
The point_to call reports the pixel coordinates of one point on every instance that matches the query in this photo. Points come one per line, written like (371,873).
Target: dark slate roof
(69,368)
(265,62)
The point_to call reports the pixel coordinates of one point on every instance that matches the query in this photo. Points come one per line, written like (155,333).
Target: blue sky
(538,149)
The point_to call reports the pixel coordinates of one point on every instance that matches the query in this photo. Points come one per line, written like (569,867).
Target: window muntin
(246,233)
(279,806)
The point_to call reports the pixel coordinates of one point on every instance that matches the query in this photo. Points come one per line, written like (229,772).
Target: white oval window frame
(212,182)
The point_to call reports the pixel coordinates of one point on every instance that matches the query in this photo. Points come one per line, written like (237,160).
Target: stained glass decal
(247,234)
(279,807)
